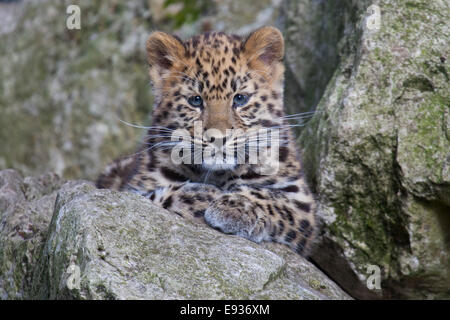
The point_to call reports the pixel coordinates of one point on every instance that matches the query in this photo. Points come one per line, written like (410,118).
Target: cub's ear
(265,45)
(163,50)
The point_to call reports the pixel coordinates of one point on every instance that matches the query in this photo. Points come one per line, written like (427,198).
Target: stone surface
(63,92)
(313,31)
(127,248)
(26,208)
(378,154)
(230,16)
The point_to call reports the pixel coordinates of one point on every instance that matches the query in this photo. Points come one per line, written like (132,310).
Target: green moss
(417,5)
(420,83)
(191,11)
(103,290)
(275,276)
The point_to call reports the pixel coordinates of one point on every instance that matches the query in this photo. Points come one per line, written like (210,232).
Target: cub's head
(216,91)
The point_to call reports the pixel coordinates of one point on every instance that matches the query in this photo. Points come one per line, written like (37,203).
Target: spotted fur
(238,199)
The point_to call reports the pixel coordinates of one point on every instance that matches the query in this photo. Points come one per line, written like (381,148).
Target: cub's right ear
(163,50)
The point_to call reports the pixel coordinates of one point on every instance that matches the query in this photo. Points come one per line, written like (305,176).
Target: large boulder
(121,246)
(127,248)
(378,153)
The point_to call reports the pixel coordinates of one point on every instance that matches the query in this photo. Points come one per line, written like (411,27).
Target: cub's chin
(212,164)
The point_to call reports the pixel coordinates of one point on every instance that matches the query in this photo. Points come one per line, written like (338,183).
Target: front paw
(236,214)
(189,200)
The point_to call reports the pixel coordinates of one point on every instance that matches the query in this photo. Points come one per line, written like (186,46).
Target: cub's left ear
(163,50)
(265,45)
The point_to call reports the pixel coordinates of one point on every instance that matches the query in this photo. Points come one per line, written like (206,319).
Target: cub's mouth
(213,153)
(219,163)
(214,164)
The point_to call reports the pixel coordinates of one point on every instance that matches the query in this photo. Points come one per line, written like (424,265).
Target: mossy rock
(65,91)
(378,151)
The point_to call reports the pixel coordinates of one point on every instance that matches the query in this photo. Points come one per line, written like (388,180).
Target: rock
(127,248)
(378,154)
(243,17)
(26,208)
(313,31)
(230,16)
(63,92)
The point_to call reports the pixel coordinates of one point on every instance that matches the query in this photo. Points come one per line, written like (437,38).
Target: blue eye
(196,101)
(240,100)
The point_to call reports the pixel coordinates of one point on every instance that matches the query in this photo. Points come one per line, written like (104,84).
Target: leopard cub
(220,150)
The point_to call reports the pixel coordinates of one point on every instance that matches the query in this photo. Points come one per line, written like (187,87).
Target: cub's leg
(189,200)
(264,214)
(284,215)
(117,175)
(229,212)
